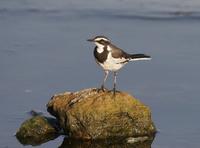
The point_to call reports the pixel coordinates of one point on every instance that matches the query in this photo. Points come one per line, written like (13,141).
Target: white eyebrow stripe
(98,39)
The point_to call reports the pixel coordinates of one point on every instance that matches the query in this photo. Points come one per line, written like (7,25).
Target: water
(43,51)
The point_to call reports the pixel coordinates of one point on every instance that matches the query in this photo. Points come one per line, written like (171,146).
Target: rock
(89,114)
(37,130)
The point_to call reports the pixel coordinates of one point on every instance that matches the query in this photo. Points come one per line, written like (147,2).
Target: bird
(112,58)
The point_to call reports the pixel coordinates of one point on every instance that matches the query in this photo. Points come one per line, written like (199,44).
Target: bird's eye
(101,41)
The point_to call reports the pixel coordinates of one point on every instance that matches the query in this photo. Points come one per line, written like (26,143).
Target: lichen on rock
(90,114)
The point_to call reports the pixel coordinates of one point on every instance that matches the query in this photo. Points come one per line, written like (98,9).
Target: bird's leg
(104,80)
(115,82)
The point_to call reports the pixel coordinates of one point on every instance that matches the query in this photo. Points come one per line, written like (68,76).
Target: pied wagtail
(112,58)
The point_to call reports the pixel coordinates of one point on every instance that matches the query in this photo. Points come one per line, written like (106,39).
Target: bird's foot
(102,88)
(114,92)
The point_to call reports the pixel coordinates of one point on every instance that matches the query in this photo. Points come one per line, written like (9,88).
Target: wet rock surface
(90,114)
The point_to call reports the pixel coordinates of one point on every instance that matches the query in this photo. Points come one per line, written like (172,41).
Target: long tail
(137,57)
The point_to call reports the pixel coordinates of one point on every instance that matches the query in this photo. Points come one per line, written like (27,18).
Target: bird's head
(100,40)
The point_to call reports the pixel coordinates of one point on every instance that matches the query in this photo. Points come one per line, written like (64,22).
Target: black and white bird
(111,58)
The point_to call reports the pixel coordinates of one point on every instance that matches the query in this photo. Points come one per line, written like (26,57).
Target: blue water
(43,51)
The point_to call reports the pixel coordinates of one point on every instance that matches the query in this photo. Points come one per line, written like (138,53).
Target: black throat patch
(101,57)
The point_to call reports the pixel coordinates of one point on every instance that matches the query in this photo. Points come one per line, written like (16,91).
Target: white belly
(112,64)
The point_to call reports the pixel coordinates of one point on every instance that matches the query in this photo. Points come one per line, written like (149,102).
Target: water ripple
(27,10)
(111,13)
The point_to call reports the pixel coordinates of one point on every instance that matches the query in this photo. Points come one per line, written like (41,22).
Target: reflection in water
(103,144)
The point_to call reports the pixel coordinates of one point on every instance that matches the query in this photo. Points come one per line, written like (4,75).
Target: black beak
(90,40)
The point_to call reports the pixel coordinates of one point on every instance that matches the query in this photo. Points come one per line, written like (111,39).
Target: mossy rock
(90,114)
(37,130)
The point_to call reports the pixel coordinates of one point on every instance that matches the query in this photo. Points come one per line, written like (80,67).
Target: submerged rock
(89,114)
(37,130)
